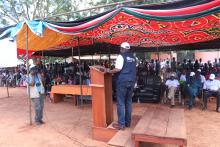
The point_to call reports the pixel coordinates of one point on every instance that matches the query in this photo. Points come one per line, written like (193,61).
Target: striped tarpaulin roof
(172,25)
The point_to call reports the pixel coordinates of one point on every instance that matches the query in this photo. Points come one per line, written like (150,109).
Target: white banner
(8,53)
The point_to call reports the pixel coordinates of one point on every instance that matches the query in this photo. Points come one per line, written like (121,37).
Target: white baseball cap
(212,77)
(192,74)
(199,70)
(125,45)
(172,75)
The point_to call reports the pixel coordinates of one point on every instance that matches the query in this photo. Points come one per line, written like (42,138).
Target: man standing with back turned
(126,68)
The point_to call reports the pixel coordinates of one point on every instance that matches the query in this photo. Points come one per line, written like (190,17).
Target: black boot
(218,109)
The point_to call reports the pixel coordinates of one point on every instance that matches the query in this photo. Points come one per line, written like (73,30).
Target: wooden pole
(158,54)
(28,87)
(7,88)
(80,71)
(109,57)
(72,54)
(43,61)
(93,41)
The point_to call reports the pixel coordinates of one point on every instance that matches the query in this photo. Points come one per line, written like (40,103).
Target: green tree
(14,11)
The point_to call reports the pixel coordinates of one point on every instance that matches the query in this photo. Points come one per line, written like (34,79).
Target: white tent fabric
(8,53)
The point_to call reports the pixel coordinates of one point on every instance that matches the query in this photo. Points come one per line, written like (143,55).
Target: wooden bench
(161,125)
(58,92)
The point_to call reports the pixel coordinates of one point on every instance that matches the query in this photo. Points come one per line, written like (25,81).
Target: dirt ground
(70,126)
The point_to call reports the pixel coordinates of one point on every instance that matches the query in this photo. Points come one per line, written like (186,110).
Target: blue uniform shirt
(128,71)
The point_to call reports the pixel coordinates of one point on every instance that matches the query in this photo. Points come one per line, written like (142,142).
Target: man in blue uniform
(193,85)
(126,69)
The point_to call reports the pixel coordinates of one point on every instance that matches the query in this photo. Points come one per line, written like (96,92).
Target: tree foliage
(14,11)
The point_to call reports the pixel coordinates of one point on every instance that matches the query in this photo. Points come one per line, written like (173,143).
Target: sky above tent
(8,56)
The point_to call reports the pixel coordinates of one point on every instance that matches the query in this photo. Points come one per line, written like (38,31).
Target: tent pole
(80,78)
(28,87)
(171,55)
(93,40)
(109,57)
(7,88)
(158,55)
(72,54)
(43,60)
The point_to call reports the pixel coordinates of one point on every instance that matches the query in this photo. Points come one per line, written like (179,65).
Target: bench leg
(57,98)
(137,143)
(74,100)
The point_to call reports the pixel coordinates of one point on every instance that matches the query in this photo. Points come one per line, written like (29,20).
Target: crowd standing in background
(55,74)
(190,76)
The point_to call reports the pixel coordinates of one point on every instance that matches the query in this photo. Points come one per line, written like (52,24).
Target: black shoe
(204,108)
(127,125)
(194,103)
(38,123)
(172,106)
(118,127)
(42,122)
(218,109)
(190,107)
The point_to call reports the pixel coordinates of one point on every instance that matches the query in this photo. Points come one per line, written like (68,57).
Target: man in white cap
(202,77)
(172,85)
(37,92)
(126,68)
(211,88)
(193,85)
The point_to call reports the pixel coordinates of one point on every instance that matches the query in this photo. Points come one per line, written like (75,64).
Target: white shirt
(183,77)
(202,78)
(34,90)
(212,85)
(162,64)
(172,83)
(119,62)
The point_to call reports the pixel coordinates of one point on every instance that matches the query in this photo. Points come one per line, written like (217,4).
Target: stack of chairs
(148,89)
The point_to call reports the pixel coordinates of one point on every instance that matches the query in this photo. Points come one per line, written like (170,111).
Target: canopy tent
(171,26)
(103,48)
(150,27)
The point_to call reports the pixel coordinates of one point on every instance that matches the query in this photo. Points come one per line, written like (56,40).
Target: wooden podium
(102,103)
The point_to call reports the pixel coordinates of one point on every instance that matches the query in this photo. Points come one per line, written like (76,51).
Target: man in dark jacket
(193,86)
(126,69)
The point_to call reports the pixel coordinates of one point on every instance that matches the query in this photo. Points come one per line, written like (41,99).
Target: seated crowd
(54,74)
(187,79)
(190,79)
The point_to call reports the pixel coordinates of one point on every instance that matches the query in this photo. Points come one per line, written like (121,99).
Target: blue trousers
(38,107)
(192,92)
(124,102)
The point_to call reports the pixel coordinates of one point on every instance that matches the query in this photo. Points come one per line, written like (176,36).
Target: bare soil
(70,126)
